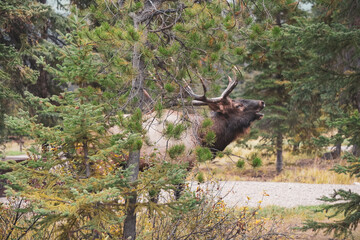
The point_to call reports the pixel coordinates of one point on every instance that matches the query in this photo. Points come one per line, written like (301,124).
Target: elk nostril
(262,103)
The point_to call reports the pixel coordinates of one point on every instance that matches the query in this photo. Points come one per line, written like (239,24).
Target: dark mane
(228,127)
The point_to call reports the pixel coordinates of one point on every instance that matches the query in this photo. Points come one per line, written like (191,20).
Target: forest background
(71,71)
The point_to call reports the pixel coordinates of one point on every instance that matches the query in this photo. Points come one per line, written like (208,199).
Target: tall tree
(331,69)
(269,55)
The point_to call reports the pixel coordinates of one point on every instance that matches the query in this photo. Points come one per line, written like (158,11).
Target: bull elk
(230,119)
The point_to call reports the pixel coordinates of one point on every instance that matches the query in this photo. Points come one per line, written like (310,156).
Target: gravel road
(239,193)
(236,193)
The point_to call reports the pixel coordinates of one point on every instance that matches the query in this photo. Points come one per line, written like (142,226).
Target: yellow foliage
(282,82)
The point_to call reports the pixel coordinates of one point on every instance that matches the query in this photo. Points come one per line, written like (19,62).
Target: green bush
(200,177)
(240,164)
(256,162)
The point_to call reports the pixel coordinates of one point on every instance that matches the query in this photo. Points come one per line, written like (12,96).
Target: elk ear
(221,107)
(239,107)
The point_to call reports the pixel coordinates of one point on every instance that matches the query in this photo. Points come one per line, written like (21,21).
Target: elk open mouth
(259,115)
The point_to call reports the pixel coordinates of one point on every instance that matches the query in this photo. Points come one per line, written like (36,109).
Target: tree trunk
(137,91)
(86,159)
(130,220)
(134,155)
(137,86)
(279,153)
(21,144)
(337,152)
(296,147)
(356,150)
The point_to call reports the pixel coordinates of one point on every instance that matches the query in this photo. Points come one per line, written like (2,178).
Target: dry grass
(14,147)
(295,217)
(313,175)
(300,168)
(297,168)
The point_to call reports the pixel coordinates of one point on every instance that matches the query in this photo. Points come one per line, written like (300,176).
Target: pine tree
(165,42)
(120,58)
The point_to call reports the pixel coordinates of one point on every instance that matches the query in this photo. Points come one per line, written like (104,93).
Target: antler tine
(199,103)
(232,84)
(189,90)
(202,82)
(203,100)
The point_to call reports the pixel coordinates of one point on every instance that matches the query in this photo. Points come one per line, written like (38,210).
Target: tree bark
(138,82)
(337,152)
(130,220)
(296,147)
(134,155)
(86,159)
(279,153)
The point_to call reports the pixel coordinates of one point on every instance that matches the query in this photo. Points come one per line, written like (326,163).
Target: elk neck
(228,127)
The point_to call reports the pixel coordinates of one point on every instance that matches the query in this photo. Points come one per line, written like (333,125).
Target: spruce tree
(271,59)
(28,31)
(330,70)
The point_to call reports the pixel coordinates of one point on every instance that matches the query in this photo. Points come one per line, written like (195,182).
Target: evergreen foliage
(25,28)
(340,203)
(68,81)
(119,58)
(270,55)
(329,79)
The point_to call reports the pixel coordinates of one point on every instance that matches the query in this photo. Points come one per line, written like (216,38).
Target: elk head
(231,118)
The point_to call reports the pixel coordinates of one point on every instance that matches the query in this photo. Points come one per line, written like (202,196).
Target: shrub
(176,150)
(240,164)
(210,218)
(200,177)
(256,161)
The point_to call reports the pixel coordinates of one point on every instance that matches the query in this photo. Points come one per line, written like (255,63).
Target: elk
(230,119)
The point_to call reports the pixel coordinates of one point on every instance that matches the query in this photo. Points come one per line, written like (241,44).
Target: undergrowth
(302,168)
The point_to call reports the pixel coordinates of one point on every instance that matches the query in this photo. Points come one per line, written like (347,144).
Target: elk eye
(239,106)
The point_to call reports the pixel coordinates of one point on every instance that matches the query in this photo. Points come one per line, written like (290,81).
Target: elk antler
(203,100)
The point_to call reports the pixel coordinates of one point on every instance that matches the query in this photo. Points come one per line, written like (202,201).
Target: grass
(302,168)
(301,213)
(294,218)
(313,175)
(13,149)
(13,153)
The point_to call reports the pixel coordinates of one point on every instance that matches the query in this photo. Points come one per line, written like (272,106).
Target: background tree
(271,59)
(331,69)
(28,30)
